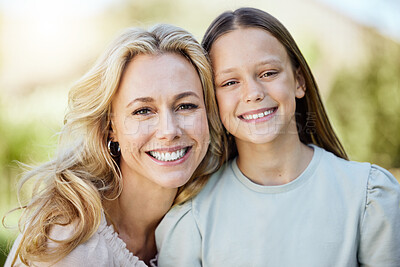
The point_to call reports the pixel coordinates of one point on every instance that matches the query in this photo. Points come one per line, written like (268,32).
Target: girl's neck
(276,163)
(136,213)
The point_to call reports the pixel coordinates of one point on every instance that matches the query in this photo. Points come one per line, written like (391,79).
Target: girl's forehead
(248,43)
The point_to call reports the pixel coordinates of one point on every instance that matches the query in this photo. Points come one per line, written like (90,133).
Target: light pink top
(104,248)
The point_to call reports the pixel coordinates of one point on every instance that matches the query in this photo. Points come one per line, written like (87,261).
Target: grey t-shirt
(336,213)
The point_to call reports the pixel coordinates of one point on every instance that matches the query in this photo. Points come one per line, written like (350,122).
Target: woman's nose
(168,127)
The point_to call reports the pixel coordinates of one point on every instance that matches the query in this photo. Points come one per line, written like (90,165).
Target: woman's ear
(300,84)
(111,133)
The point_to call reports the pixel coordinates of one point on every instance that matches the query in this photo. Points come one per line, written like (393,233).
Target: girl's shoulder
(353,173)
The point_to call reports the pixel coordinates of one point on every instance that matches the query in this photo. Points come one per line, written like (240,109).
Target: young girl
(289,196)
(135,132)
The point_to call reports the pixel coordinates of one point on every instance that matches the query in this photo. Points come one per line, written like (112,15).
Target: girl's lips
(258,115)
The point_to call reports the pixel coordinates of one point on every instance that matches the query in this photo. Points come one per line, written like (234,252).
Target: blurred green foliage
(20,141)
(364,104)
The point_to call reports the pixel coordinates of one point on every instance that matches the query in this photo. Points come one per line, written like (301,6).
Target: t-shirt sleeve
(380,226)
(178,238)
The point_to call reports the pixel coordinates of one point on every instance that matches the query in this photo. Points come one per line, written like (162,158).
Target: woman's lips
(170,156)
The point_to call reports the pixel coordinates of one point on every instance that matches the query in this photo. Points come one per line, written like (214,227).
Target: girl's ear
(300,84)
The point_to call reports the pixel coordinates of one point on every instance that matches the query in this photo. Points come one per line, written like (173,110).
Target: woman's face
(159,119)
(256,86)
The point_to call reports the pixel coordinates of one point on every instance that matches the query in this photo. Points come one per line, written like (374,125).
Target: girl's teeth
(259,115)
(161,156)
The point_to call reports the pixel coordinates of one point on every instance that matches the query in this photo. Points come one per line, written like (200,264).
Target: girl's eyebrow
(269,61)
(226,71)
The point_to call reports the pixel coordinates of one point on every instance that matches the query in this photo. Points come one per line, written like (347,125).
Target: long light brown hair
(313,125)
(73,186)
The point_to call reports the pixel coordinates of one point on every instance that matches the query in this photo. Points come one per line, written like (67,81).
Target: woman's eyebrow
(150,99)
(140,99)
(186,94)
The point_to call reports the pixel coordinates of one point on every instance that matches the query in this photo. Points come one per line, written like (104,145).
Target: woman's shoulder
(103,248)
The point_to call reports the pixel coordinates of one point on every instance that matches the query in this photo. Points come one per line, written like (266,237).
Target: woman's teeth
(259,115)
(161,156)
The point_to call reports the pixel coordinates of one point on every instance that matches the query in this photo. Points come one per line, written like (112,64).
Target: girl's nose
(252,91)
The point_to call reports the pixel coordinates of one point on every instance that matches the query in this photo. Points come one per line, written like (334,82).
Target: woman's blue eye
(187,106)
(142,111)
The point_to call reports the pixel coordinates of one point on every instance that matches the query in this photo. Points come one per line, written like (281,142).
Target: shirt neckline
(274,189)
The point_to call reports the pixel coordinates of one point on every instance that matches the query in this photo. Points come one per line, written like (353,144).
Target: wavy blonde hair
(73,186)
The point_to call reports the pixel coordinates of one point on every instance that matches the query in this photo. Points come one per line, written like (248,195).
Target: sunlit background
(353,48)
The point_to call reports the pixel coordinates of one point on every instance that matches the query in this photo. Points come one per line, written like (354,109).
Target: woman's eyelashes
(142,111)
(187,106)
(146,111)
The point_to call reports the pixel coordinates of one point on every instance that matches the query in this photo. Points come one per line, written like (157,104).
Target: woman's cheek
(196,124)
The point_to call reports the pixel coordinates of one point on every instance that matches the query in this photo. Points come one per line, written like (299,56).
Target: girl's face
(256,86)
(159,119)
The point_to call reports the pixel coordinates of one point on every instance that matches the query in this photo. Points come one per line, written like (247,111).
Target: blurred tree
(364,104)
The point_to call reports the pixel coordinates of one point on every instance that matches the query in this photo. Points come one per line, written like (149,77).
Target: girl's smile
(259,115)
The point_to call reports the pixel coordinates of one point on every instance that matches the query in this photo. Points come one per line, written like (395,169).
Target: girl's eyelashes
(228,83)
(187,106)
(268,74)
(142,111)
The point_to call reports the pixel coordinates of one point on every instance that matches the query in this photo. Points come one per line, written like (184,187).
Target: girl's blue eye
(142,111)
(229,83)
(187,106)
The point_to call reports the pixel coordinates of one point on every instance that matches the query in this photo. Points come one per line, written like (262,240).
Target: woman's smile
(169,156)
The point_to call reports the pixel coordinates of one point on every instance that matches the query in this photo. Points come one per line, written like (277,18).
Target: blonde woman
(134,134)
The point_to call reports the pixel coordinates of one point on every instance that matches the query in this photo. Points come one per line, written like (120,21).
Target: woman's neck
(276,163)
(136,213)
